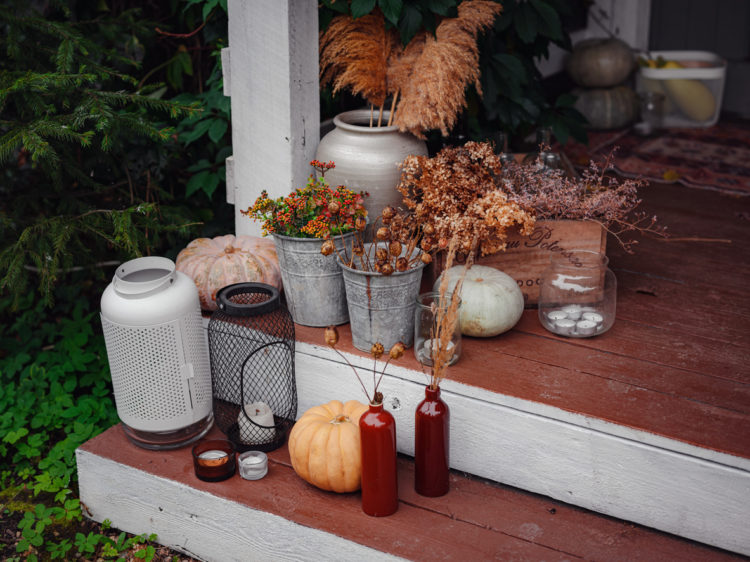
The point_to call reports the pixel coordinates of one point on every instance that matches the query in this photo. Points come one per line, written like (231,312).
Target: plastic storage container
(693,94)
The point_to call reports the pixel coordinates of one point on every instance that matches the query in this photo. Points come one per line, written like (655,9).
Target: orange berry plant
(314,211)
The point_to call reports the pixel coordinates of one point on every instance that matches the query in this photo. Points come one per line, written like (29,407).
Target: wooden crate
(526,257)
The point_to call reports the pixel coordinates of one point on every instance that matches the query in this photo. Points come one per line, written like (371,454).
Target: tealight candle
(585,327)
(214,460)
(565,326)
(572,311)
(593,317)
(556,315)
(251,432)
(253,465)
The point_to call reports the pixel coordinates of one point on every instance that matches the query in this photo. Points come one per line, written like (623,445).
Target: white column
(273,78)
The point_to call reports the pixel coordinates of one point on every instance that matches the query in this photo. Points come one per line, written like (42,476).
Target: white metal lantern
(158,354)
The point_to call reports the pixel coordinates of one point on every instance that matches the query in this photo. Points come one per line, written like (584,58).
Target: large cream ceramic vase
(367,158)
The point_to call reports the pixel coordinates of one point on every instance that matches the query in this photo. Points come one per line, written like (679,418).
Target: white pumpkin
(491,301)
(213,263)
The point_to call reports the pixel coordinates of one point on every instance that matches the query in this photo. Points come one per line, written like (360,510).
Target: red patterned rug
(717,157)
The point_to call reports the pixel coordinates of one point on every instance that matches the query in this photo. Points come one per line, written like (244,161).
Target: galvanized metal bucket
(381,308)
(313,284)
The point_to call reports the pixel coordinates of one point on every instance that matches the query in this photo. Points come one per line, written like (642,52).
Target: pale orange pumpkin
(324,446)
(213,263)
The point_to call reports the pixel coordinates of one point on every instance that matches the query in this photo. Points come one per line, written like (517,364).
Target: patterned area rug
(714,158)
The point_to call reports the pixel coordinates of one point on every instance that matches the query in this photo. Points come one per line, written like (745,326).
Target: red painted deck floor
(677,360)
(674,364)
(476,520)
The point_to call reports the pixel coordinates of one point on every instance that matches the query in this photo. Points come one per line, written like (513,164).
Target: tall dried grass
(430,74)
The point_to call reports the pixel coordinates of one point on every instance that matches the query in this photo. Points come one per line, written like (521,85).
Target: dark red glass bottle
(377,430)
(432,445)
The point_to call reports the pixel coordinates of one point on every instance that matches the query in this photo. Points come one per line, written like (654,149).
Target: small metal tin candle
(585,327)
(214,460)
(253,465)
(593,317)
(556,315)
(565,326)
(572,311)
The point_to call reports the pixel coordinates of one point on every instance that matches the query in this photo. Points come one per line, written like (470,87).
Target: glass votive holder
(214,460)
(578,294)
(253,465)
(431,319)
(652,112)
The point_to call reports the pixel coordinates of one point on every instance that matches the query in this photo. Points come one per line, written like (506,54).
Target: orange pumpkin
(213,263)
(324,446)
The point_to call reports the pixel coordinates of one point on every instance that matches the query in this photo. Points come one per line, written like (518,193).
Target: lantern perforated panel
(251,344)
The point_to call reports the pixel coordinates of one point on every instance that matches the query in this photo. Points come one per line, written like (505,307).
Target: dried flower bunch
(400,244)
(314,211)
(456,193)
(446,318)
(596,196)
(331,336)
(430,73)
(465,190)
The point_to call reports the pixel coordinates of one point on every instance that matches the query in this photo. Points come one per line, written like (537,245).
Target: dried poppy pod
(388,212)
(383,233)
(381,254)
(334,207)
(360,223)
(402,264)
(428,229)
(377,350)
(442,243)
(426,258)
(397,351)
(386,269)
(426,244)
(358,249)
(327,248)
(331,336)
(395,248)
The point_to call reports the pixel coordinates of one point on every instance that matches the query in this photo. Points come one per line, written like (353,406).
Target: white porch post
(272,78)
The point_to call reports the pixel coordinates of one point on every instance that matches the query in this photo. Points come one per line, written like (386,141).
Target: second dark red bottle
(432,445)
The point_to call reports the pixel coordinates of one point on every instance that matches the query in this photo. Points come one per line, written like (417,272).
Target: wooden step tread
(476,520)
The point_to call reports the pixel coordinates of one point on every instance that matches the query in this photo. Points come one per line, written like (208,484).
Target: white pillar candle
(593,317)
(585,327)
(572,311)
(556,315)
(259,414)
(565,326)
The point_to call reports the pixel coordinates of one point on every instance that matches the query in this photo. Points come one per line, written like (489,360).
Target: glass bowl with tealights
(578,294)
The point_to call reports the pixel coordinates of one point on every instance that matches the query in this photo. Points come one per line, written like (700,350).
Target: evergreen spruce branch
(52,128)
(122,98)
(9,144)
(45,82)
(41,151)
(63,32)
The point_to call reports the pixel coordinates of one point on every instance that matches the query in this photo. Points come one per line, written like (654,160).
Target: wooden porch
(647,423)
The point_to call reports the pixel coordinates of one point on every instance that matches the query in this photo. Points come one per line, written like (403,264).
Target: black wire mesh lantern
(251,345)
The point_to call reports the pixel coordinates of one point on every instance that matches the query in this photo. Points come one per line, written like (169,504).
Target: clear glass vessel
(426,315)
(578,294)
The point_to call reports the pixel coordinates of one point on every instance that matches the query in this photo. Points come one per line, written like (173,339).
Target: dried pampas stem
(372,112)
(380,116)
(393,108)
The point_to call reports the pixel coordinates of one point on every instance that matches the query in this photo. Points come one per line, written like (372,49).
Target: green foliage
(79,146)
(513,97)
(56,394)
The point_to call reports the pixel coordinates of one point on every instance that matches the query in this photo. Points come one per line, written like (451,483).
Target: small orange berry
(377,350)
(331,336)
